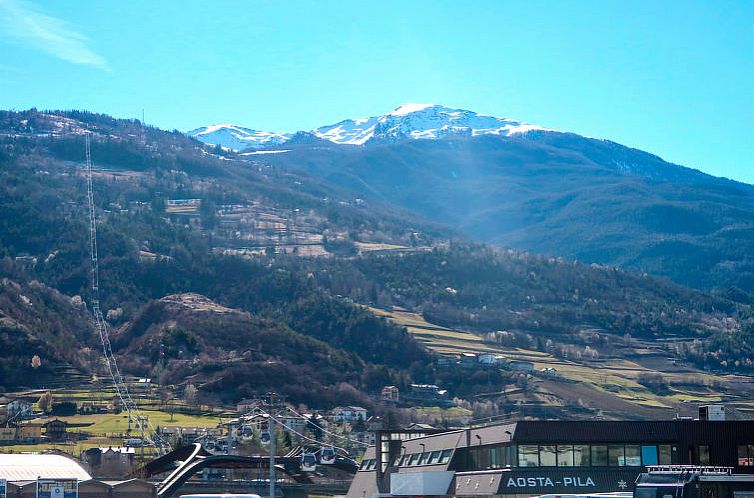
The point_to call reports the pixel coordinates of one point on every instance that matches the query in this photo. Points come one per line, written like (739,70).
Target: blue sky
(673,78)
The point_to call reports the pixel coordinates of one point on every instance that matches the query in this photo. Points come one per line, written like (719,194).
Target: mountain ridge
(407,121)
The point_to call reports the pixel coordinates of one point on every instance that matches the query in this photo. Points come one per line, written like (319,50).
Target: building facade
(545,457)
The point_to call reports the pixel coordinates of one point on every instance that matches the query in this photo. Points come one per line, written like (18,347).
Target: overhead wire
(320,443)
(101,324)
(356,441)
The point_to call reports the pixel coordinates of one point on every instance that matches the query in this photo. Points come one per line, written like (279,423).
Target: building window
(412,459)
(445,456)
(616,455)
(565,455)
(703,454)
(599,456)
(665,454)
(746,455)
(433,457)
(633,455)
(528,455)
(581,455)
(423,458)
(547,456)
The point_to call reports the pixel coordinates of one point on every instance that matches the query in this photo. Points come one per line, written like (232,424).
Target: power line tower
(103,329)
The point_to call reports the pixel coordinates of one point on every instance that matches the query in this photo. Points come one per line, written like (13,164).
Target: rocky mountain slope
(558,194)
(517,185)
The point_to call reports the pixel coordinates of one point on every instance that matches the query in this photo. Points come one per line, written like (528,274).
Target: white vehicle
(221,496)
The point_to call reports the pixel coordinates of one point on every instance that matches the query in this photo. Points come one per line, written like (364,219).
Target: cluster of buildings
(54,431)
(481,360)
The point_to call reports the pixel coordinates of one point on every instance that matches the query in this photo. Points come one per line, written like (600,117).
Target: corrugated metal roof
(14,467)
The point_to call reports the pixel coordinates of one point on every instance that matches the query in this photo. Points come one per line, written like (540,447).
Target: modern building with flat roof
(527,458)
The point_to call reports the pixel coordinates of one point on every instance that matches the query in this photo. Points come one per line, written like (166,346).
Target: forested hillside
(558,194)
(270,310)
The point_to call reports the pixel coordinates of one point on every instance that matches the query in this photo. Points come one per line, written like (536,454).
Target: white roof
(15,467)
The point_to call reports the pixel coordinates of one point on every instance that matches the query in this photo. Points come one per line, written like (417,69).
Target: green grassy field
(109,429)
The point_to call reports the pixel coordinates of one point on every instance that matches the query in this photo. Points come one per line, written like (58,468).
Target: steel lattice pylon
(101,324)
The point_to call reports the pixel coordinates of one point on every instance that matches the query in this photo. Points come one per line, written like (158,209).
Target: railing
(697,469)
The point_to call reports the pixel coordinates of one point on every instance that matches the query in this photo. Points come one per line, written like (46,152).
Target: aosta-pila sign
(543,482)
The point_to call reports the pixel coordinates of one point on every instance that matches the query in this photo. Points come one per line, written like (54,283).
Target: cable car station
(527,458)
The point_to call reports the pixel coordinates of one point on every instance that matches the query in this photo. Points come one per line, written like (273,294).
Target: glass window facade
(703,453)
(581,455)
(633,455)
(599,455)
(665,454)
(746,455)
(547,456)
(528,455)
(559,455)
(616,455)
(565,455)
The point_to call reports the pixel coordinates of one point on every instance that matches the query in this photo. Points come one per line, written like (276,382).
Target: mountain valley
(208,275)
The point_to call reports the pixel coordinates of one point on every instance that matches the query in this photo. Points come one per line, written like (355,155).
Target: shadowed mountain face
(558,194)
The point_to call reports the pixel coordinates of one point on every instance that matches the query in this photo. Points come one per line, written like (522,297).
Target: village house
(8,434)
(348,414)
(468,360)
(293,423)
(521,365)
(109,462)
(390,394)
(446,360)
(17,408)
(257,421)
(55,430)
(491,359)
(29,433)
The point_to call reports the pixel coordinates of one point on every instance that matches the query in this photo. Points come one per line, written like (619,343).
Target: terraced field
(608,384)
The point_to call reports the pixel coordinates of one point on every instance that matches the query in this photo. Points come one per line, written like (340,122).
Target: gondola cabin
(308,462)
(327,455)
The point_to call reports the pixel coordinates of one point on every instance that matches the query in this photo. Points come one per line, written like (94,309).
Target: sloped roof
(14,467)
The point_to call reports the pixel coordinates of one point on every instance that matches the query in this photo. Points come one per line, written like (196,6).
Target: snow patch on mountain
(237,137)
(421,122)
(407,121)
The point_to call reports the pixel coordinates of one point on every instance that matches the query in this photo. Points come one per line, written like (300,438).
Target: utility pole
(141,419)
(273,436)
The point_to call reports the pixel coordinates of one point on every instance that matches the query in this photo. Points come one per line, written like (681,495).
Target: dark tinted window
(581,455)
(599,456)
(616,455)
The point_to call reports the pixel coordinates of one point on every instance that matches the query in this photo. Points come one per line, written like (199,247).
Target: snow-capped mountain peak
(407,121)
(420,121)
(404,109)
(237,137)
